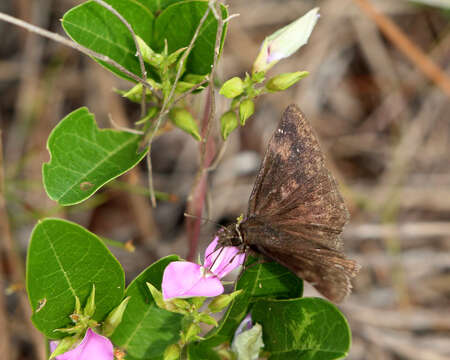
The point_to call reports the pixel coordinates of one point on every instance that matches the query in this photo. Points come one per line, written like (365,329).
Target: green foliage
(64,261)
(84,158)
(146,330)
(96,28)
(259,281)
(178,22)
(312,328)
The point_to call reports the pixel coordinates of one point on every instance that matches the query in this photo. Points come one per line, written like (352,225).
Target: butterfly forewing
(294,190)
(296,214)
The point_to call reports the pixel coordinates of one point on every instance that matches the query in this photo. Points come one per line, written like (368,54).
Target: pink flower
(285,41)
(93,346)
(184,279)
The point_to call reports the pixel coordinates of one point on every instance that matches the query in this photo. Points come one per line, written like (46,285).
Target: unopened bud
(172,352)
(283,81)
(228,122)
(157,296)
(64,345)
(114,318)
(183,119)
(285,41)
(207,319)
(222,301)
(192,332)
(246,109)
(232,88)
(89,308)
(148,54)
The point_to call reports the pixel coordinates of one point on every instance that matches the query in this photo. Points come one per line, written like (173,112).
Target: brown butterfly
(296,213)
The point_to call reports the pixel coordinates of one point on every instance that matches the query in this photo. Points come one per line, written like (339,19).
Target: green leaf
(312,328)
(178,23)
(146,330)
(64,260)
(98,29)
(84,158)
(259,281)
(157,6)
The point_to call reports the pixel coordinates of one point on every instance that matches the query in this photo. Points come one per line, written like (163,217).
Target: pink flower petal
(207,263)
(93,346)
(223,260)
(183,279)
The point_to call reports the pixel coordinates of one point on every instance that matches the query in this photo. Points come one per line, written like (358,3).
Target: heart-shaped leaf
(64,260)
(302,329)
(84,158)
(146,330)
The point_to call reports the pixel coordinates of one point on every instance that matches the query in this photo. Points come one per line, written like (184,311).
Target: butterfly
(295,213)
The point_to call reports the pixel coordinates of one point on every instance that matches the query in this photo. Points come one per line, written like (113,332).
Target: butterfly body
(296,214)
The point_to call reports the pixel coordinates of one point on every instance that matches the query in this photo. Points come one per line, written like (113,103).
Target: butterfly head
(231,235)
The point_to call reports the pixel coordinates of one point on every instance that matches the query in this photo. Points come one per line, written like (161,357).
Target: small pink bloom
(224,260)
(184,279)
(93,346)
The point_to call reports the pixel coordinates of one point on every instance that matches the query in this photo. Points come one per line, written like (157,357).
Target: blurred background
(378,97)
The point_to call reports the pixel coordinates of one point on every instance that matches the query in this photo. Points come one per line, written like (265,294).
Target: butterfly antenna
(207,220)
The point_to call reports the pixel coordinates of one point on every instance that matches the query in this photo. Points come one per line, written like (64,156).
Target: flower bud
(63,346)
(232,88)
(148,54)
(247,341)
(192,332)
(89,308)
(172,352)
(283,81)
(114,318)
(285,41)
(246,109)
(228,122)
(207,319)
(222,301)
(183,119)
(157,296)
(174,56)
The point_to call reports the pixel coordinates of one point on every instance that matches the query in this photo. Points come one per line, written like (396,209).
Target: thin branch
(409,49)
(123,128)
(138,49)
(167,99)
(150,176)
(207,148)
(191,90)
(62,40)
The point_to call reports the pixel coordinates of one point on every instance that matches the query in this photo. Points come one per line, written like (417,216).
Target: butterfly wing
(327,270)
(296,205)
(294,190)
